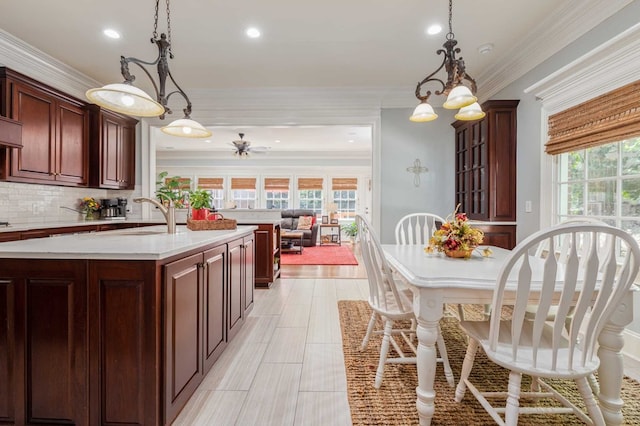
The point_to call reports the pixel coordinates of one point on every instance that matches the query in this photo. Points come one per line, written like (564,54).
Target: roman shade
(183,183)
(211,183)
(607,118)
(309,184)
(243,183)
(346,184)
(276,184)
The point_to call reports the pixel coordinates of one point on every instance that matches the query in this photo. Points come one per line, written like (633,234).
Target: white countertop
(144,243)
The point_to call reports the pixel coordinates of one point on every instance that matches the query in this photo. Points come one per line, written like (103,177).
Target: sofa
(289,222)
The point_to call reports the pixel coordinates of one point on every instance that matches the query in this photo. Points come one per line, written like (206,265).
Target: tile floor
(285,367)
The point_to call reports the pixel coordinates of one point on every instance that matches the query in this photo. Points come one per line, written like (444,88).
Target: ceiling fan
(243,147)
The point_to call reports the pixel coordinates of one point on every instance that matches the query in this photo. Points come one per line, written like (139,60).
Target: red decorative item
(199,214)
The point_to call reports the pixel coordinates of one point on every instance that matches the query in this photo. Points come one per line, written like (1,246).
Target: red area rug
(321,255)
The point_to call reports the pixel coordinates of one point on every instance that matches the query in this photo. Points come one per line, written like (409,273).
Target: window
(310,194)
(276,193)
(344,196)
(215,186)
(602,182)
(243,192)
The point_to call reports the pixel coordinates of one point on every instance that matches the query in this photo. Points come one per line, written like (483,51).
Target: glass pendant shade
(460,96)
(423,113)
(125,99)
(186,128)
(471,112)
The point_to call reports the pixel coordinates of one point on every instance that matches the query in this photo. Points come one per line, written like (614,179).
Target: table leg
(428,308)
(611,369)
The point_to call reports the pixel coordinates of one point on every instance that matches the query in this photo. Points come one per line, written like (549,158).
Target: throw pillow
(304,222)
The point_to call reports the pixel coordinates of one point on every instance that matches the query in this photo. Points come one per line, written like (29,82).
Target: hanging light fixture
(127,99)
(458,95)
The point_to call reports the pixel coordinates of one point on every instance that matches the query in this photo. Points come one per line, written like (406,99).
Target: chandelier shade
(423,113)
(127,99)
(186,128)
(470,113)
(458,94)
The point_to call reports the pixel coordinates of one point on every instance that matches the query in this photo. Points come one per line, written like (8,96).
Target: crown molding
(568,23)
(26,59)
(607,67)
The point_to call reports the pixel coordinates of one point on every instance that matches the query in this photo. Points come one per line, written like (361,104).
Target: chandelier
(128,99)
(458,95)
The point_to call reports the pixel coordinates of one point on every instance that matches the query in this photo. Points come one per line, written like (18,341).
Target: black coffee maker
(113,208)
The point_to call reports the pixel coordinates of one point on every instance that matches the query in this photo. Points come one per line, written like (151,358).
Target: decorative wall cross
(417,170)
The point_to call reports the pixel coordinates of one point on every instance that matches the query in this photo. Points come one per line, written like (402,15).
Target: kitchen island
(118,326)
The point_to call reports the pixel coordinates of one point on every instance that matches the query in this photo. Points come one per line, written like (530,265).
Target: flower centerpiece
(89,206)
(456,237)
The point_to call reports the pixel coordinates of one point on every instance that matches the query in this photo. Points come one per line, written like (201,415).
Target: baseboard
(631,345)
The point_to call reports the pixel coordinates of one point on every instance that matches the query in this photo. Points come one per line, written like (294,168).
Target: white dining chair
(417,228)
(590,283)
(390,304)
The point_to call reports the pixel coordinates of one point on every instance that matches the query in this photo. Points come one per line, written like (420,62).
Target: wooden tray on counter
(211,225)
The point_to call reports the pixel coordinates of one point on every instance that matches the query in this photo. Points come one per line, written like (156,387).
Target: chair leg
(593,383)
(513,399)
(467,365)
(442,348)
(460,312)
(589,401)
(384,351)
(365,341)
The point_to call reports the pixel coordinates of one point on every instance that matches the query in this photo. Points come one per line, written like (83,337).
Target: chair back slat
(417,228)
(383,292)
(581,265)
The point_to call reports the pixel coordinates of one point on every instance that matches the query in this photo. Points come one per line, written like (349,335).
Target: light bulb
(127,100)
(186,130)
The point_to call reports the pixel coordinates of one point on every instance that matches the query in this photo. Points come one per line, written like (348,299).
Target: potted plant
(170,188)
(200,201)
(351,230)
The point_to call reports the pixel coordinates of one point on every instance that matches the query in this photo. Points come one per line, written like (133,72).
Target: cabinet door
(110,162)
(183,332)
(235,289)
(127,156)
(263,255)
(37,112)
(249,272)
(215,261)
(72,149)
(44,362)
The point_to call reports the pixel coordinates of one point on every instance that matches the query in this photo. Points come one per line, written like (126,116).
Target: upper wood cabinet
(55,129)
(113,140)
(486,163)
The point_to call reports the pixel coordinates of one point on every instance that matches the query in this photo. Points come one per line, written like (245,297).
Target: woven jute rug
(395,402)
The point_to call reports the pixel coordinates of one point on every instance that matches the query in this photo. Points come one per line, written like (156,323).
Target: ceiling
(322,44)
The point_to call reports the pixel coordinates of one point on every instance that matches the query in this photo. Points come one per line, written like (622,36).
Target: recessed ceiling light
(277,141)
(485,48)
(207,141)
(434,29)
(111,33)
(253,32)
(351,141)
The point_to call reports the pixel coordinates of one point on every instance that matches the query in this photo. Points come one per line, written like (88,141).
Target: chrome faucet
(168,212)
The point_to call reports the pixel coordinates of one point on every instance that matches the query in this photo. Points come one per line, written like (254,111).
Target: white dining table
(436,280)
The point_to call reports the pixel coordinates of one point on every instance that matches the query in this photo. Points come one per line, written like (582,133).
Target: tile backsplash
(22,203)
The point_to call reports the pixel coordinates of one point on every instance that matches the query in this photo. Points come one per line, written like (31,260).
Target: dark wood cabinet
(485,176)
(215,326)
(99,342)
(183,313)
(486,163)
(43,343)
(113,138)
(267,254)
(248,252)
(55,133)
